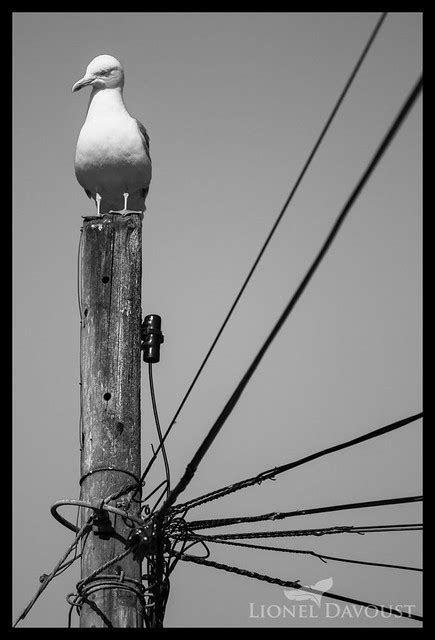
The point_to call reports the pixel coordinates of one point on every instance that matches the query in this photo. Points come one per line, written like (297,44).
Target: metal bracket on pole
(101,525)
(143,540)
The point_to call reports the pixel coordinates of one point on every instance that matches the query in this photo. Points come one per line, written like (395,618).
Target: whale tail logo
(300,594)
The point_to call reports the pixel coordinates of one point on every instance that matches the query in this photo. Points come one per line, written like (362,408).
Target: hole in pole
(107,396)
(105,279)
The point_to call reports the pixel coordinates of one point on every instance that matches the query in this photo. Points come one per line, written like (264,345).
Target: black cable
(188,535)
(159,431)
(271,473)
(104,566)
(274,227)
(158,501)
(280,515)
(320,531)
(321,556)
(297,585)
(171,567)
(154,491)
(208,440)
(162,591)
(53,574)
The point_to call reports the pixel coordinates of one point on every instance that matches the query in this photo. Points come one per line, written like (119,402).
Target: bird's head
(103,72)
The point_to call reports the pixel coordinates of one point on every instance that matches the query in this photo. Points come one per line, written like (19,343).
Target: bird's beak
(84,82)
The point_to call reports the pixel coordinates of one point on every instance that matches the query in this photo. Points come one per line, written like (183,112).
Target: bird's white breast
(110,155)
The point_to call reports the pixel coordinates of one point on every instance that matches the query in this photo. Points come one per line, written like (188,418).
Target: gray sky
(233,104)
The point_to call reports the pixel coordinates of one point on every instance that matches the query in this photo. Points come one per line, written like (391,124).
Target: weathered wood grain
(111,365)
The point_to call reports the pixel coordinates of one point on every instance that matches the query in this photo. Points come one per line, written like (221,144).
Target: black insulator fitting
(102,526)
(151,337)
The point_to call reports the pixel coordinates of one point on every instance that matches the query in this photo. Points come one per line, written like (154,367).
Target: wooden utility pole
(111,276)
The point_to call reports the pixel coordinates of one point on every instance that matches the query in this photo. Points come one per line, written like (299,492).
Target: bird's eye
(107,72)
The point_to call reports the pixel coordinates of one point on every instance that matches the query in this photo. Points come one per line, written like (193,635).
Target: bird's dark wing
(145,138)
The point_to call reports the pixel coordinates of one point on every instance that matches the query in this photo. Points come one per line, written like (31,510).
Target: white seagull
(112,161)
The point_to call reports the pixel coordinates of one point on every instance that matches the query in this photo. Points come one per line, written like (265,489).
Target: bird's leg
(125,201)
(125,211)
(98,201)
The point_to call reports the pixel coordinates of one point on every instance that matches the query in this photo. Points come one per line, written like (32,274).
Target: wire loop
(88,505)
